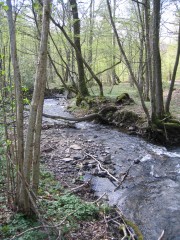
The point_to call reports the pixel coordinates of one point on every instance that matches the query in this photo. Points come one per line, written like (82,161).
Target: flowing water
(150,194)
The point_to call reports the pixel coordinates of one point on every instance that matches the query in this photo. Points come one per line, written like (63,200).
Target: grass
(124,87)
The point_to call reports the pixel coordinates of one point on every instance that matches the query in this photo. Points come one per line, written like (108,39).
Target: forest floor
(64,162)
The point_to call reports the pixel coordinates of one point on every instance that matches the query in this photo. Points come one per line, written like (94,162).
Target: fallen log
(74,119)
(89,117)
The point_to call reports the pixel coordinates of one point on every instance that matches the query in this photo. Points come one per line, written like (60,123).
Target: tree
(18,99)
(29,154)
(76,27)
(167,105)
(158,112)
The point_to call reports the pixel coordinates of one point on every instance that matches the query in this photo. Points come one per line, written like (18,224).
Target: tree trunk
(36,104)
(167,106)
(157,75)
(76,27)
(18,98)
(148,66)
(114,75)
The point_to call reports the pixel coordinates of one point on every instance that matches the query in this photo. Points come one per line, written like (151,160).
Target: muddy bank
(147,189)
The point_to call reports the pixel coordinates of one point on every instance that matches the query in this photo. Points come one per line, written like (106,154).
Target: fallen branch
(97,200)
(102,168)
(81,119)
(78,187)
(123,178)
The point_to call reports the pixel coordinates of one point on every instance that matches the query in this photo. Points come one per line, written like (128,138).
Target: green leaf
(5,7)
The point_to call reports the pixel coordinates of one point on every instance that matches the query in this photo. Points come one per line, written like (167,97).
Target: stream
(150,194)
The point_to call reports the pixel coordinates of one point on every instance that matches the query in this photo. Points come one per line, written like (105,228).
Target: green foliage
(59,205)
(20,223)
(70,205)
(4,7)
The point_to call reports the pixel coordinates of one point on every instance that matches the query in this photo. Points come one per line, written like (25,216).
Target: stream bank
(149,195)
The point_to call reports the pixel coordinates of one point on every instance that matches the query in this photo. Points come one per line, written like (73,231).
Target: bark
(36,104)
(18,96)
(141,50)
(167,106)
(157,75)
(91,26)
(114,75)
(76,27)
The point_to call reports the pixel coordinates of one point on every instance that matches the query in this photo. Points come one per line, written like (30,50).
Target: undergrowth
(56,206)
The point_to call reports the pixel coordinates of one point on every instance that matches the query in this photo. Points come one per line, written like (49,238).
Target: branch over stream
(89,117)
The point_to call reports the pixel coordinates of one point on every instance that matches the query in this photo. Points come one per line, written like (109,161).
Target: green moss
(170,124)
(135,228)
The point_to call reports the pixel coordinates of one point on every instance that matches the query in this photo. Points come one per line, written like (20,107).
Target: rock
(77,157)
(48,150)
(102,174)
(136,161)
(75,147)
(67,159)
(95,172)
(90,165)
(131,128)
(107,159)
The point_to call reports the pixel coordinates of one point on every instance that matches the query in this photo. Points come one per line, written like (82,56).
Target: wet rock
(102,174)
(75,147)
(137,161)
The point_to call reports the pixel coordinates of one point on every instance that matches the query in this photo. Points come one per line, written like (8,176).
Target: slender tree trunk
(91,25)
(36,104)
(114,75)
(76,26)
(148,66)
(167,106)
(18,97)
(157,75)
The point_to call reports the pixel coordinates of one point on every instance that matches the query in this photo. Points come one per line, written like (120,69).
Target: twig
(78,187)
(123,227)
(97,200)
(102,168)
(127,227)
(161,236)
(123,178)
